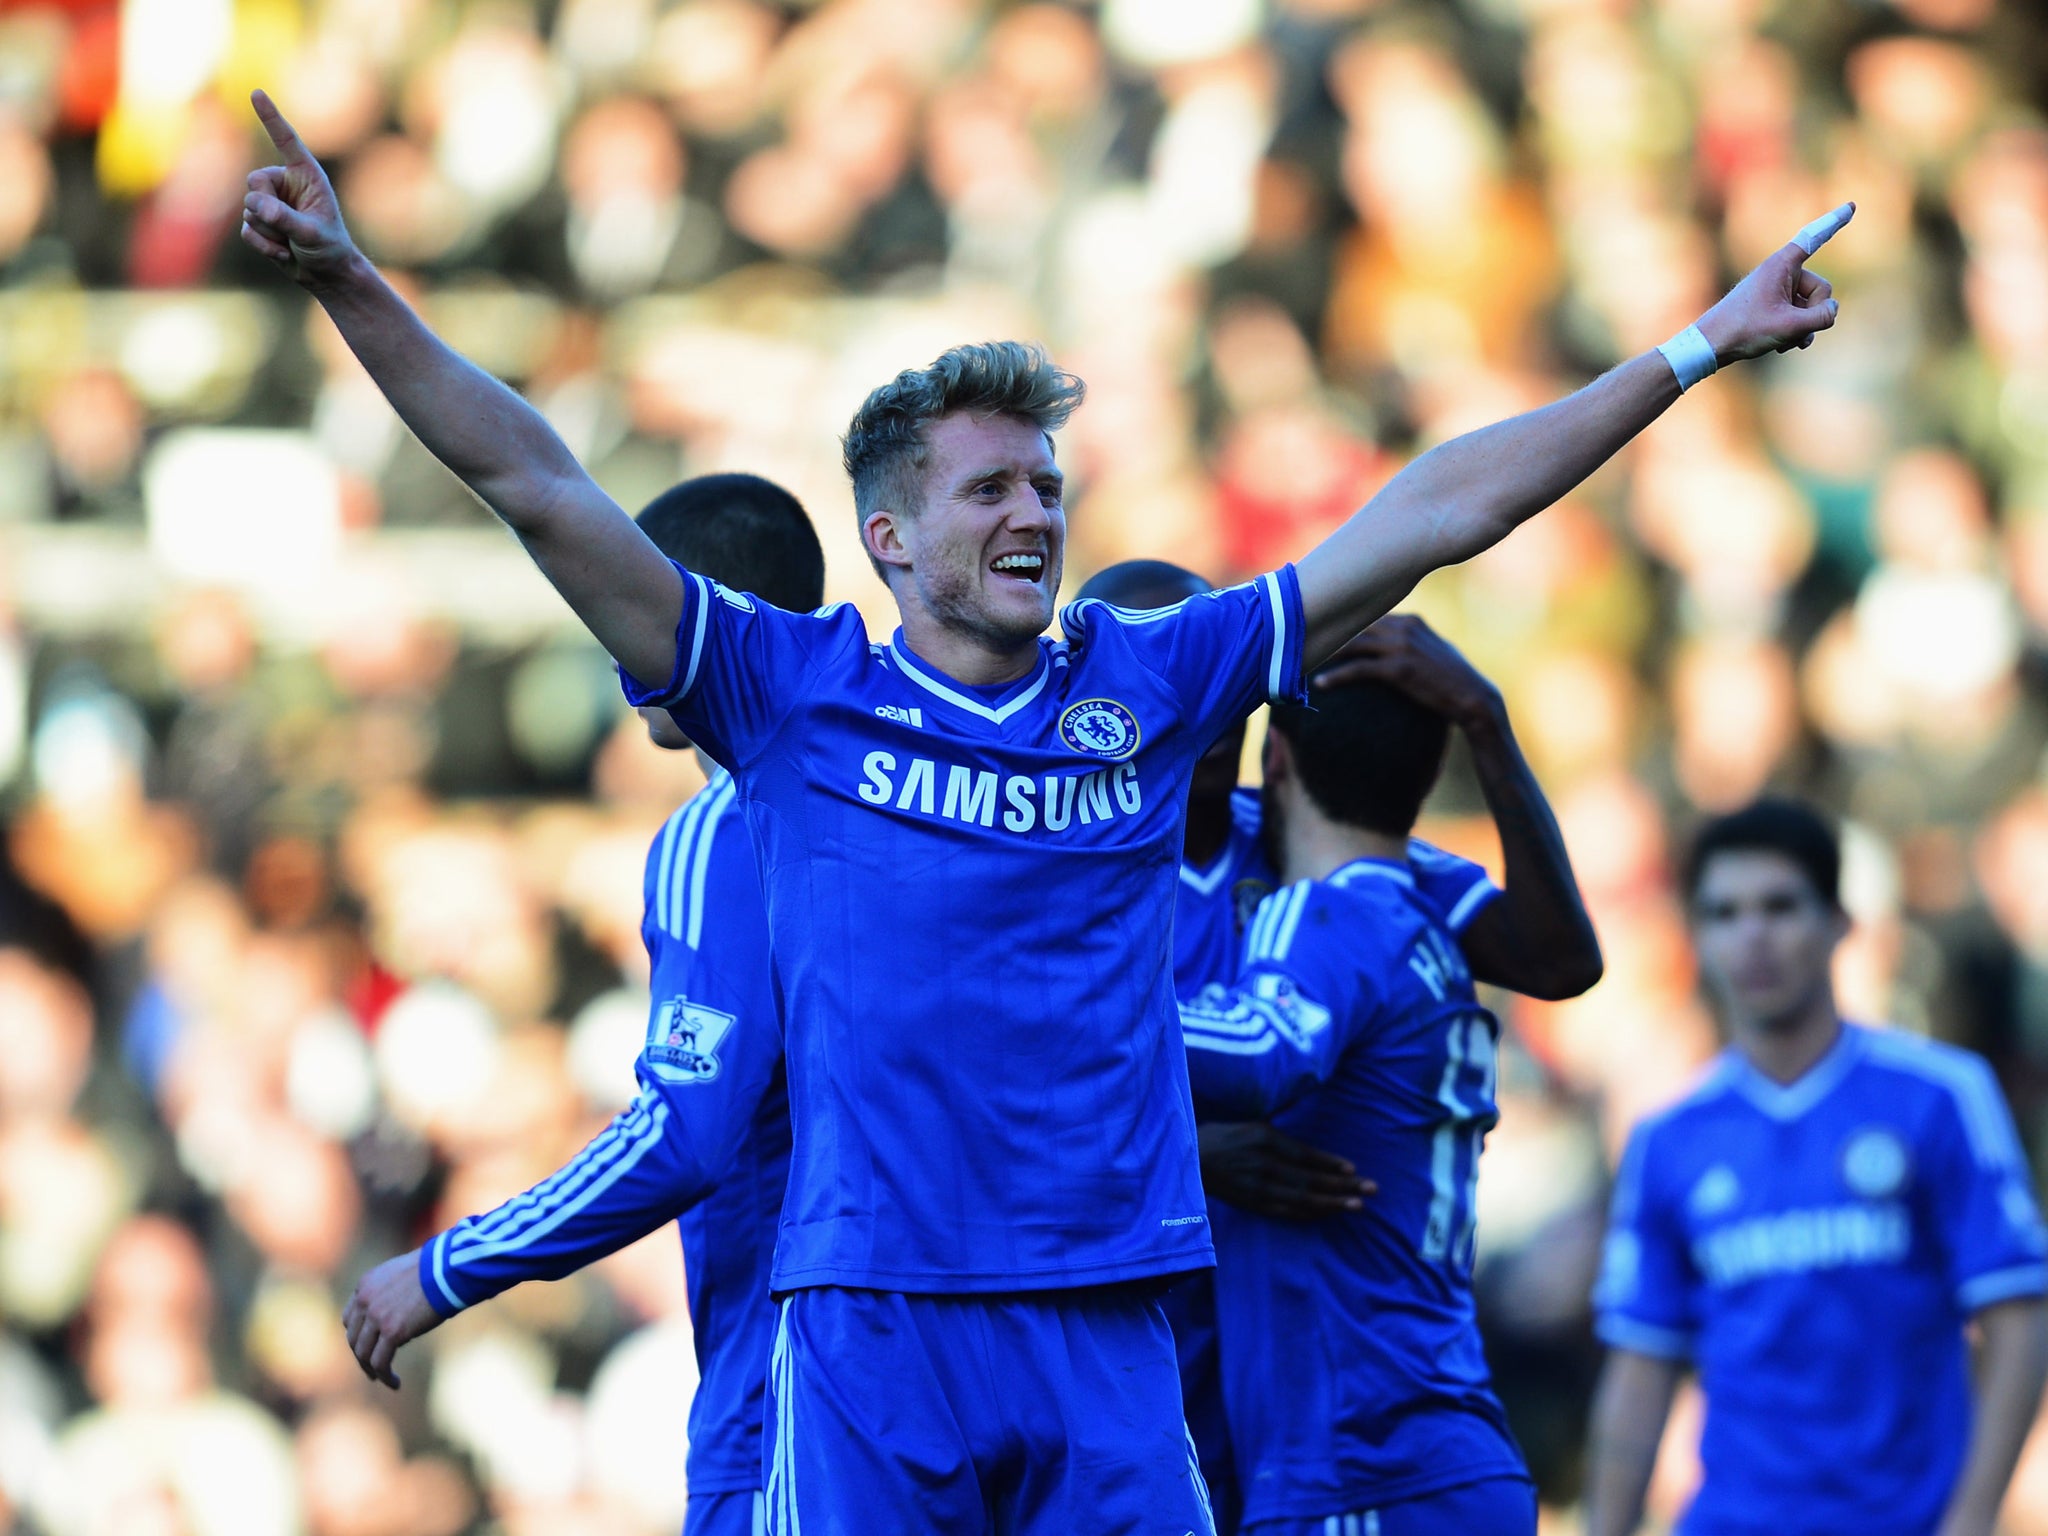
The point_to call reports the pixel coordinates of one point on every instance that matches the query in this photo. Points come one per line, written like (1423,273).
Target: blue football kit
(1213,907)
(1815,1250)
(970,895)
(1353,1025)
(706,1144)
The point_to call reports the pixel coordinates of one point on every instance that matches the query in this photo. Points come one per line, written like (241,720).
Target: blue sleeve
(1647,1296)
(703,1074)
(1455,889)
(1256,1046)
(1979,1193)
(1222,652)
(639,1174)
(740,665)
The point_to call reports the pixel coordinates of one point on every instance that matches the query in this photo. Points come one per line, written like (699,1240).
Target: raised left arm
(2013,1368)
(1470,493)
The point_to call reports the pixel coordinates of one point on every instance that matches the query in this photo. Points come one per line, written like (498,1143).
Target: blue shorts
(1049,1412)
(1191,1311)
(725,1514)
(1496,1506)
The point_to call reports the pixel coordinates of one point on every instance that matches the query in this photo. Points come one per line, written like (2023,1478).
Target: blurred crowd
(323,825)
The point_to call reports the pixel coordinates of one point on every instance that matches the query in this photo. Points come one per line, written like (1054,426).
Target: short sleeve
(1979,1193)
(1222,652)
(1647,1296)
(740,665)
(1455,889)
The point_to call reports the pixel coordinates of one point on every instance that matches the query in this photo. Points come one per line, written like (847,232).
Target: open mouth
(1019,567)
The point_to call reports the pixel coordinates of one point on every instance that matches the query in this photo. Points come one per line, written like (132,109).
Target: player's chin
(1013,606)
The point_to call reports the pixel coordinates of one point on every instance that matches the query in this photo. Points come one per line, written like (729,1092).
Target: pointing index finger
(282,134)
(1823,229)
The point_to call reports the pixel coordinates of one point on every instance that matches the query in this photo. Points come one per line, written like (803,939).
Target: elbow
(1565,977)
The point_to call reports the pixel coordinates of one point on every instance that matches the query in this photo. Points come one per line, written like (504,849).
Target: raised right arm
(621,587)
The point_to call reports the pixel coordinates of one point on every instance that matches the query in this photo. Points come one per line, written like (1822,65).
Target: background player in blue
(707,1143)
(968,840)
(1354,1021)
(1537,940)
(1815,1228)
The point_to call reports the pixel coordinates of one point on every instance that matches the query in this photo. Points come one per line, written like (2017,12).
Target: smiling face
(982,556)
(1765,937)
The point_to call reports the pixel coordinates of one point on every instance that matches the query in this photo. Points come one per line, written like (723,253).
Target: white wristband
(1691,357)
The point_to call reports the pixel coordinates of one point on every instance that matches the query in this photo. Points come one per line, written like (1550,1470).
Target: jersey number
(1469,1047)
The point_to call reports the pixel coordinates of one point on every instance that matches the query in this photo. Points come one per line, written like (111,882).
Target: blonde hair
(886,446)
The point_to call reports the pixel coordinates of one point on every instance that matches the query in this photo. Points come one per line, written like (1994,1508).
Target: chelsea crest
(1100,728)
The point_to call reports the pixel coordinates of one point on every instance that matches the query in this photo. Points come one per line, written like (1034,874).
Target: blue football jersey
(1816,1248)
(1215,903)
(970,894)
(706,1143)
(1353,1025)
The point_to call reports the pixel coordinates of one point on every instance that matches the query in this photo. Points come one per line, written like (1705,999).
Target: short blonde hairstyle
(887,447)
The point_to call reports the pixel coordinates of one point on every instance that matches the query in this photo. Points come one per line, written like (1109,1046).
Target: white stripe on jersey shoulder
(1278,916)
(1080,608)
(1377,869)
(707,835)
(997,713)
(1271,582)
(1467,906)
(1968,1082)
(1247,814)
(697,634)
(664,861)
(670,913)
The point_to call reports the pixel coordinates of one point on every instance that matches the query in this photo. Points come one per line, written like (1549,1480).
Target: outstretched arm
(1470,493)
(1537,937)
(618,583)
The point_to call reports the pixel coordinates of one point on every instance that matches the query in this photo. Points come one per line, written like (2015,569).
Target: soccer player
(968,840)
(1539,941)
(706,1144)
(1818,1227)
(1353,1022)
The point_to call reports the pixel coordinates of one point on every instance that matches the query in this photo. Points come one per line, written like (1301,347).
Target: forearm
(2014,1370)
(1629,1413)
(1468,494)
(1550,949)
(1489,482)
(494,441)
(631,1180)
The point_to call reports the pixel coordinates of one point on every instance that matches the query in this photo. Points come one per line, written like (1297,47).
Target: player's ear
(882,532)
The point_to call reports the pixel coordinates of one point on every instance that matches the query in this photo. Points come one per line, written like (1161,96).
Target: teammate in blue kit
(1536,938)
(1817,1228)
(968,840)
(707,1142)
(1353,1021)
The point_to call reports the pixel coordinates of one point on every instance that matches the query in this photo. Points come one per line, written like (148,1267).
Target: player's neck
(1314,847)
(1788,1051)
(962,655)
